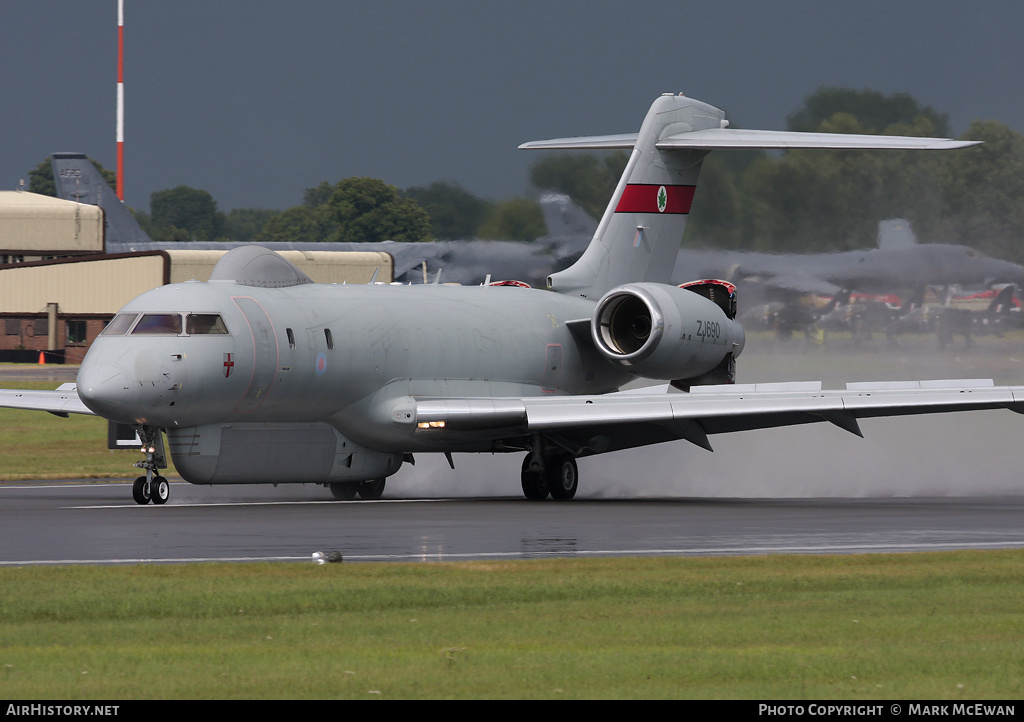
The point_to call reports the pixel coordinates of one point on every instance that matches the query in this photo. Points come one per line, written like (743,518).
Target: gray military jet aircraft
(261,376)
(872,270)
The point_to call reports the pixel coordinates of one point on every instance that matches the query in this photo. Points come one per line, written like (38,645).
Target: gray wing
(61,402)
(596,424)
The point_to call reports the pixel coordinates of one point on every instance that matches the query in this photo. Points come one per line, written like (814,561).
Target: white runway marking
(457,556)
(332,502)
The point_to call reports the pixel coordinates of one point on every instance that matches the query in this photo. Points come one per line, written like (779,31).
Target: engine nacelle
(271,453)
(668,332)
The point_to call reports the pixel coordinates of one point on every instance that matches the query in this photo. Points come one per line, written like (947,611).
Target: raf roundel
(321,363)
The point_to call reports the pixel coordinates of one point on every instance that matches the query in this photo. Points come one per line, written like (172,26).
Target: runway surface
(88,522)
(912,484)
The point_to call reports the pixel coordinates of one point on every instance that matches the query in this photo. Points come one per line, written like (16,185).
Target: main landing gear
(152,487)
(346,491)
(554,474)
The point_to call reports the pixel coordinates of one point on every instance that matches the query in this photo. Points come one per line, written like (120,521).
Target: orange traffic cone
(42,359)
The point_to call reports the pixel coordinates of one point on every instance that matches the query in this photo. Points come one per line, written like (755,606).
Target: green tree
(185,214)
(714,217)
(245,224)
(874,111)
(455,213)
(318,195)
(299,224)
(518,219)
(819,201)
(983,193)
(40,178)
(369,210)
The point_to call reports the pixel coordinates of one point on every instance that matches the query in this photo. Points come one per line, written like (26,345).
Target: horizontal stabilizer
(734,138)
(715,138)
(592,142)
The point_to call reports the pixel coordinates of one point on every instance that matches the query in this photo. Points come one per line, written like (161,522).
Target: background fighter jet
(873,270)
(261,376)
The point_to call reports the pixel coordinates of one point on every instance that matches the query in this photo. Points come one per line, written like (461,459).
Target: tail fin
(78,180)
(638,236)
(1003,301)
(564,218)
(896,233)
(641,229)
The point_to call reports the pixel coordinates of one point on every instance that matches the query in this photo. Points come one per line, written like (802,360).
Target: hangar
(58,289)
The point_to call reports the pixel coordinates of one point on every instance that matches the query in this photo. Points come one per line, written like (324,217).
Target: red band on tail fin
(644,198)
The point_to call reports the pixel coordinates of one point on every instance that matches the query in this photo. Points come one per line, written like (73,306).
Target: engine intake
(668,332)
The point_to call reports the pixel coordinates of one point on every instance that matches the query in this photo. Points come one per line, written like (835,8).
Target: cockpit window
(120,324)
(203,323)
(158,323)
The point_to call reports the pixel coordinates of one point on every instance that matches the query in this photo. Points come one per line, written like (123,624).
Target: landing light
(430,425)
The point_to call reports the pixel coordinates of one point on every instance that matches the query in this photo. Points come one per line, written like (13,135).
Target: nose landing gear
(152,487)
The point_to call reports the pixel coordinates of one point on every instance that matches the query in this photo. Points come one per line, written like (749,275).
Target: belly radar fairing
(261,376)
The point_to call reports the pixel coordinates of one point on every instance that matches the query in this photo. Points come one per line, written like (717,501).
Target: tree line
(787,202)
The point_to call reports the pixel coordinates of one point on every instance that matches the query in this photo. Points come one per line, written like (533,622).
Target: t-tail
(639,234)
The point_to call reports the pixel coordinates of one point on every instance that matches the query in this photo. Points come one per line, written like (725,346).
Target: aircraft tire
(139,491)
(535,488)
(344,491)
(371,489)
(562,477)
(159,490)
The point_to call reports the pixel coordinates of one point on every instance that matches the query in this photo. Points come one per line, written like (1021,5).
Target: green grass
(920,626)
(37,445)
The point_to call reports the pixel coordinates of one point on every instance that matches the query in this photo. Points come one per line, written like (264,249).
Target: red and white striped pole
(120,100)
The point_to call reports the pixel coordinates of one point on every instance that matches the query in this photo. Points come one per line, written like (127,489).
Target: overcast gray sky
(257,100)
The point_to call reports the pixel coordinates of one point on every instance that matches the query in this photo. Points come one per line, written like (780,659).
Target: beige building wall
(321,266)
(89,292)
(30,223)
(82,287)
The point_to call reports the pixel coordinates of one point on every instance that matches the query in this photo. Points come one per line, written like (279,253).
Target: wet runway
(914,484)
(87,522)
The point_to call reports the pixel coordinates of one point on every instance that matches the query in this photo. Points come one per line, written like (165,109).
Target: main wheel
(371,489)
(562,477)
(534,486)
(344,491)
(159,490)
(140,492)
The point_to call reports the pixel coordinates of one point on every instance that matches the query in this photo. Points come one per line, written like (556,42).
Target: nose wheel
(156,490)
(152,487)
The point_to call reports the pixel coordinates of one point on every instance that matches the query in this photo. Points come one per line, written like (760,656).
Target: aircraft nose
(103,388)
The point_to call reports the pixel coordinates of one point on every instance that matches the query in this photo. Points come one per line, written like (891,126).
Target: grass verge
(921,626)
(38,445)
